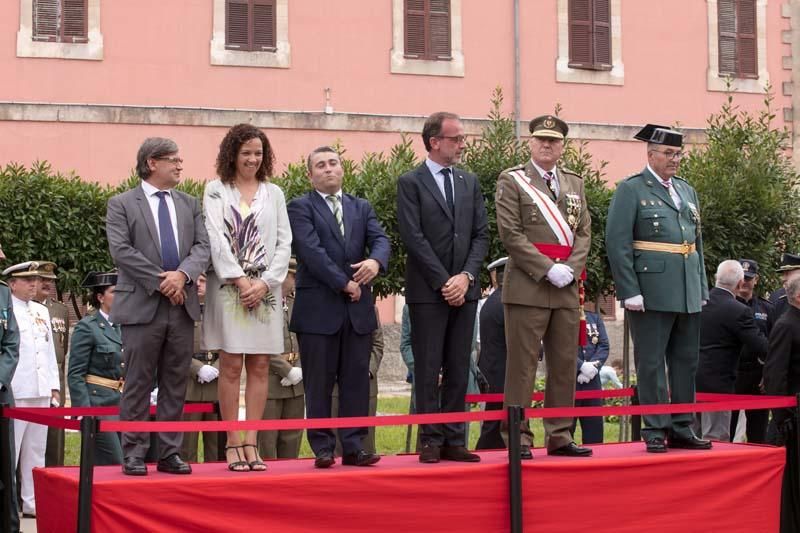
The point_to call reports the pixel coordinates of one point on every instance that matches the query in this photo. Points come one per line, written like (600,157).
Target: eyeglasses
(458,139)
(672,155)
(174,160)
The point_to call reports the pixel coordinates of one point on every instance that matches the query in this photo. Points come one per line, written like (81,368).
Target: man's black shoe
(173,464)
(360,458)
(324,460)
(571,450)
(525,452)
(460,454)
(134,466)
(430,453)
(656,445)
(691,443)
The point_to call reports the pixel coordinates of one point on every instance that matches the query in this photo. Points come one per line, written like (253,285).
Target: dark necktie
(448,190)
(169,250)
(550,179)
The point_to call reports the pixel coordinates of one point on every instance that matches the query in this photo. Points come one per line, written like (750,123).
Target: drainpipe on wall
(517,98)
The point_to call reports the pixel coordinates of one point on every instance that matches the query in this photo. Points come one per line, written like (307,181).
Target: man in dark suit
(726,326)
(442,221)
(159,244)
(340,248)
(492,359)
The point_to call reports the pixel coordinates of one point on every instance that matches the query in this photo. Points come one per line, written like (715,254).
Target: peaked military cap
(497,264)
(653,133)
(750,268)
(99,279)
(789,262)
(28,269)
(549,126)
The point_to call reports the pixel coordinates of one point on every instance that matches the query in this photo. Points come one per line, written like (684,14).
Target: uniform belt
(684,249)
(206,357)
(116,384)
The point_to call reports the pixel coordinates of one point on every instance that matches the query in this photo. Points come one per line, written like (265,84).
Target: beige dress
(252,240)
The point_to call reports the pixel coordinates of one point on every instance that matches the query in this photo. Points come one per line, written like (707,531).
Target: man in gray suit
(159,244)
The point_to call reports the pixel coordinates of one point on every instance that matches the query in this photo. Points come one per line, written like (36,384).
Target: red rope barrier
(58,412)
(37,415)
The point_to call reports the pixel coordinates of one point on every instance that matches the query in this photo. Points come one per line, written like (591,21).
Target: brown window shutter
(580,33)
(264,25)
(440,29)
(746,35)
(237,24)
(74,21)
(415,23)
(45,20)
(726,23)
(601,37)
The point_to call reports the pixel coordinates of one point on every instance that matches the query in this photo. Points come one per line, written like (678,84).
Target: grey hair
(793,289)
(153,148)
(729,274)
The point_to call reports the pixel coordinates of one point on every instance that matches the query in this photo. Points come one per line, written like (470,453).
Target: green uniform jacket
(643,210)
(9,338)
(96,349)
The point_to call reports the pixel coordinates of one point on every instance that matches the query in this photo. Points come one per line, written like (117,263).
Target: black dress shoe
(324,460)
(360,458)
(525,452)
(430,453)
(656,445)
(173,464)
(460,454)
(134,466)
(691,443)
(571,450)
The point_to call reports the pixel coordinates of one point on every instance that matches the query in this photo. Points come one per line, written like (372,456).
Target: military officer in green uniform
(94,373)
(285,392)
(9,355)
(655,248)
(59,322)
(201,387)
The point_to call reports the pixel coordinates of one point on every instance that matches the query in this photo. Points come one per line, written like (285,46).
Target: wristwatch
(469,276)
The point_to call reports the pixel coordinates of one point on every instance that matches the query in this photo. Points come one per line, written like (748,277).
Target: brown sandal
(240,465)
(257,465)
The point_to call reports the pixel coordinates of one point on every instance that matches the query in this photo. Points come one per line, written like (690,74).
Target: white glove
(635,303)
(560,275)
(285,382)
(582,379)
(295,375)
(588,370)
(154,396)
(207,374)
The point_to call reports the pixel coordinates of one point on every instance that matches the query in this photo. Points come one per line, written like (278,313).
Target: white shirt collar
(151,190)
(104,315)
(542,171)
(18,302)
(435,167)
(325,195)
(661,180)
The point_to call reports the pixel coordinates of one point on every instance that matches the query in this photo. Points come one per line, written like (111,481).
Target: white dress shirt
(153,200)
(37,371)
(438,177)
(667,184)
(542,172)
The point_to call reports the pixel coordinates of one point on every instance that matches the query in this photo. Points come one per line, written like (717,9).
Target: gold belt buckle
(685,247)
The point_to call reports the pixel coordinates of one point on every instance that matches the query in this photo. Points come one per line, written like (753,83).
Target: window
(427,29)
(590,34)
(738,53)
(63,29)
(250,25)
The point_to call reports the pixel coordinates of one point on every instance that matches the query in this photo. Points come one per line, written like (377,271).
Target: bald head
(729,275)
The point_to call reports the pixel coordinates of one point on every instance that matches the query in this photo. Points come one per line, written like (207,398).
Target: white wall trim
(399,64)
(27,47)
(280,58)
(718,82)
(615,76)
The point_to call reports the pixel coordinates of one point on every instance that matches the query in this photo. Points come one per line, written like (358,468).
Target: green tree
(748,189)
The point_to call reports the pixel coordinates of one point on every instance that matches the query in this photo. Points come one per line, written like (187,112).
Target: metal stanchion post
(515,467)
(626,374)
(89,427)
(636,420)
(5,469)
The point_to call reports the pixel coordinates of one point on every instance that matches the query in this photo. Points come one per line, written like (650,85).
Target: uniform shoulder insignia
(632,176)
(570,172)
(764,300)
(3,283)
(515,167)
(40,305)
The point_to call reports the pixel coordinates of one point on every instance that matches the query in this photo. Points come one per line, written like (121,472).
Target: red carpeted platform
(731,488)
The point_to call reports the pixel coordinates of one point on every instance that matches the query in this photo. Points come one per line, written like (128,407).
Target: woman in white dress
(250,238)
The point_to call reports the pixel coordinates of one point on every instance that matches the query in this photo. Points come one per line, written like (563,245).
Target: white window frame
(717,81)
(425,67)
(27,47)
(280,58)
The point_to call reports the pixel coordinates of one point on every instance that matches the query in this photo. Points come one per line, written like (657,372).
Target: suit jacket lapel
(185,229)
(461,197)
(147,214)
(325,211)
(427,179)
(655,183)
(348,216)
(108,330)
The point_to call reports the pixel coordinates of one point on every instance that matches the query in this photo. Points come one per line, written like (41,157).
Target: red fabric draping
(732,488)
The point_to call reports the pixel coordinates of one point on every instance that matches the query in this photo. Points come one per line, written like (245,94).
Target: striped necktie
(550,180)
(337,211)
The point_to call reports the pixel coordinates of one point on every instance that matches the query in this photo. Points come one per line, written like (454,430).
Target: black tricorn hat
(99,279)
(653,133)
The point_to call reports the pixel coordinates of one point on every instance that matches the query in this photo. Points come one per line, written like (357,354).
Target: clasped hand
(455,289)
(251,291)
(173,285)
(560,275)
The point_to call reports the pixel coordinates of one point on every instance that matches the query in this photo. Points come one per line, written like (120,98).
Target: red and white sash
(548,208)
